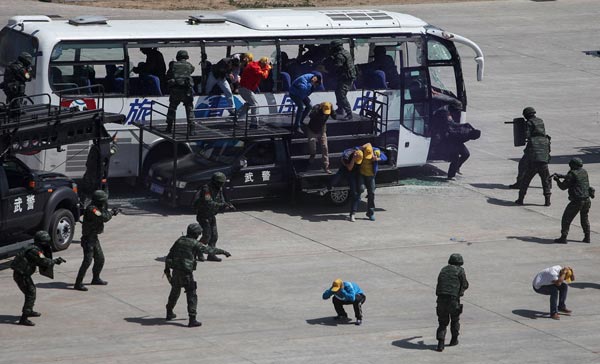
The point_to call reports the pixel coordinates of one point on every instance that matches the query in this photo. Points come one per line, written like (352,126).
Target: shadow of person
(55,285)
(418,345)
(498,202)
(155,321)
(532,239)
(490,186)
(531,314)
(584,285)
(9,319)
(5,265)
(161,259)
(327,321)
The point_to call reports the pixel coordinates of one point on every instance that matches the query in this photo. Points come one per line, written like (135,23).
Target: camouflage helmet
(576,163)
(100,196)
(528,111)
(194,230)
(219,178)
(26,58)
(456,259)
(182,54)
(336,43)
(41,237)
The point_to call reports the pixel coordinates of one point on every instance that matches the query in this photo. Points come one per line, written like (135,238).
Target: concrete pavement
(263,305)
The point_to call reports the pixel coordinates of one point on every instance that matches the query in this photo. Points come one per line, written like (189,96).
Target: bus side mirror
(480,68)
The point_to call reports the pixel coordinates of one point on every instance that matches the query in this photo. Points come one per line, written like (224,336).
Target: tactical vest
(580,189)
(182,255)
(539,150)
(208,207)
(21,264)
(536,127)
(347,71)
(448,281)
(15,76)
(182,74)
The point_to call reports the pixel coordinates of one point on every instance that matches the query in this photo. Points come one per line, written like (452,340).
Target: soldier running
(182,260)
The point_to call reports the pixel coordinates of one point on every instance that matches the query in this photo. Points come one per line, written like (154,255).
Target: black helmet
(336,43)
(26,58)
(41,237)
(194,230)
(576,163)
(456,259)
(100,196)
(528,111)
(219,178)
(182,54)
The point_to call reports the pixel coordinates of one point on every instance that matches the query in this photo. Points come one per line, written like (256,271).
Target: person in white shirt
(553,282)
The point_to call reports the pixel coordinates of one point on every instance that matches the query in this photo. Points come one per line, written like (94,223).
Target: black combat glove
(58,261)
(227,254)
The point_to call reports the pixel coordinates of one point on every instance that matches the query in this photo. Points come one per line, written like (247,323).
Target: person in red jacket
(253,73)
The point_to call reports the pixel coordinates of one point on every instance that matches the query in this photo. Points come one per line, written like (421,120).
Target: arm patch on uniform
(97,212)
(41,254)
(207,196)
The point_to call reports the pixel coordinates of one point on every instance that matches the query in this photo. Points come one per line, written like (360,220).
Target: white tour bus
(420,63)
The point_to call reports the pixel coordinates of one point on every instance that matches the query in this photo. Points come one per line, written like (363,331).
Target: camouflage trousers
(531,169)
(210,235)
(448,312)
(26,286)
(581,207)
(91,251)
(186,281)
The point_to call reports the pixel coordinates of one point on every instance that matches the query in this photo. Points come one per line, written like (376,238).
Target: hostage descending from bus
(15,76)
(181,90)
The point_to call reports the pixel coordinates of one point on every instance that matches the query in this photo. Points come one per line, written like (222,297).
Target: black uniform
(15,76)
(577,182)
(452,283)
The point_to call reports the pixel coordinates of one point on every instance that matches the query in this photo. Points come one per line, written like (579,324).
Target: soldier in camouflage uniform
(537,156)
(24,265)
(180,82)
(182,260)
(579,194)
(15,76)
(343,66)
(452,284)
(94,217)
(208,202)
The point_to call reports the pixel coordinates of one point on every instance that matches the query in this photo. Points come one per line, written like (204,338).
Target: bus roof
(236,24)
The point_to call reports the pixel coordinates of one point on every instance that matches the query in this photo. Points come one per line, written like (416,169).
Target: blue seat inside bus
(286,81)
(372,79)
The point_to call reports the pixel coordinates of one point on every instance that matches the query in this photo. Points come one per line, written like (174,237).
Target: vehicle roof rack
(210,18)
(88,20)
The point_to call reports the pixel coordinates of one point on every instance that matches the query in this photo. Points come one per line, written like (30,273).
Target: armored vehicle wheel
(62,229)
(339,197)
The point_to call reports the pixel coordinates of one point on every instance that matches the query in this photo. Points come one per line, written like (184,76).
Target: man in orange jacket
(251,76)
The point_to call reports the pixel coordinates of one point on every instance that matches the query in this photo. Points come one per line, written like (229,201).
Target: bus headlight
(180,184)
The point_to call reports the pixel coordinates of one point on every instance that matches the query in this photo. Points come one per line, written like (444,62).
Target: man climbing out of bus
(95,216)
(343,66)
(351,160)
(208,202)
(316,129)
(455,135)
(537,156)
(180,87)
(180,265)
(220,75)
(15,76)
(253,73)
(24,265)
(300,91)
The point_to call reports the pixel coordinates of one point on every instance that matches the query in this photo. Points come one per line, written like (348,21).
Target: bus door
(413,144)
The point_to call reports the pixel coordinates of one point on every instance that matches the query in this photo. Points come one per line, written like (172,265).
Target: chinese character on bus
(139,110)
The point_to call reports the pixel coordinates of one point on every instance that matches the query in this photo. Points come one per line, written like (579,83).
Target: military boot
(33,314)
(586,238)
(547,200)
(99,282)
(79,286)
(561,240)
(453,341)
(193,322)
(25,322)
(170,314)
(440,346)
(213,258)
(519,201)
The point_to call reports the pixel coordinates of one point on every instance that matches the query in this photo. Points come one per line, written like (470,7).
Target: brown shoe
(555,316)
(564,310)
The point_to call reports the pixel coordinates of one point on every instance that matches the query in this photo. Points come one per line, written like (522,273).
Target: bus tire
(62,229)
(339,197)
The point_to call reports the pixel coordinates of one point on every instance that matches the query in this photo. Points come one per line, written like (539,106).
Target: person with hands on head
(299,92)
(552,282)
(346,293)
(180,264)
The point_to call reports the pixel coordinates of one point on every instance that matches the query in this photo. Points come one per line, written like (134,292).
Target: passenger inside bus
(154,66)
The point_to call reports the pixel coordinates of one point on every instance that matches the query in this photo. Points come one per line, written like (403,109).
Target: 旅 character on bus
(181,90)
(15,76)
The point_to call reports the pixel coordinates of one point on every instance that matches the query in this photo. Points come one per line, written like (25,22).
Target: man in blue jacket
(346,293)
(300,89)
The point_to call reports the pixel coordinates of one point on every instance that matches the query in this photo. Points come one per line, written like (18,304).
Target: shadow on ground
(328,321)
(155,321)
(532,239)
(490,186)
(498,202)
(584,285)
(531,314)
(9,319)
(417,345)
(55,285)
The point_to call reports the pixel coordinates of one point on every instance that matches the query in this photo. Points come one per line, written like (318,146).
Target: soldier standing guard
(24,265)
(94,217)
(537,156)
(181,85)
(343,67)
(579,196)
(452,284)
(208,202)
(182,260)
(15,76)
